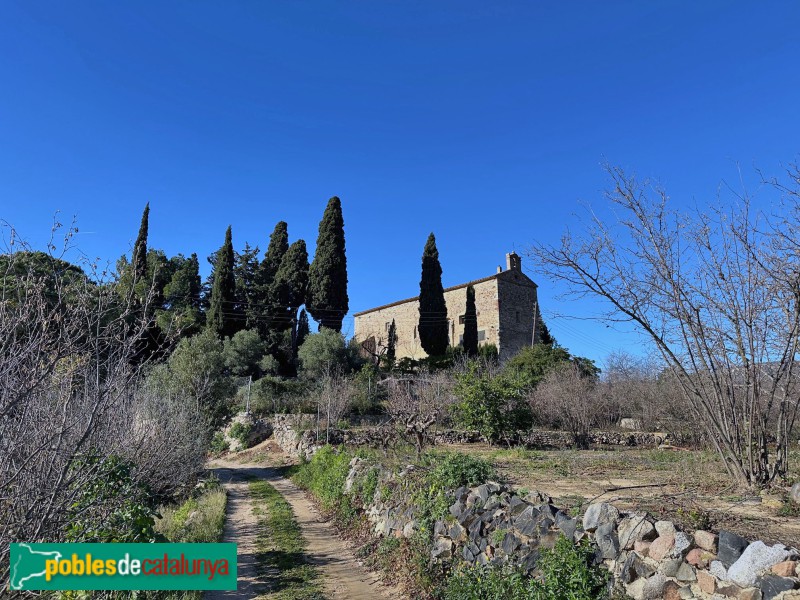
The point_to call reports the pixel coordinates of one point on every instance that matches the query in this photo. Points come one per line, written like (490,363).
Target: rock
(654,587)
(510,543)
(671,591)
(636,589)
(772,585)
(566,524)
(686,593)
(409,528)
(718,570)
(750,594)
(443,548)
(756,558)
(707,582)
(785,569)
(683,544)
(642,548)
(633,568)
(632,424)
(686,574)
(665,527)
(633,529)
(731,547)
(669,568)
(606,539)
(706,540)
(661,546)
(794,493)
(730,590)
(599,513)
(699,558)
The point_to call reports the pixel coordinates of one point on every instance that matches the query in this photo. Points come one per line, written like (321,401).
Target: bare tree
(335,400)
(717,292)
(416,403)
(72,407)
(568,400)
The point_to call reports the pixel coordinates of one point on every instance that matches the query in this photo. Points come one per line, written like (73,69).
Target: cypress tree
(432,308)
(247,275)
(289,293)
(278,245)
(470,324)
(391,346)
(223,315)
(327,278)
(263,303)
(139,259)
(302,328)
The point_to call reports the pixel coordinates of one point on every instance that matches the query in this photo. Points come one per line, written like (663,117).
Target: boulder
(786,568)
(683,544)
(671,591)
(634,567)
(772,585)
(686,574)
(755,559)
(707,582)
(606,539)
(636,589)
(654,587)
(634,528)
(443,548)
(642,547)
(661,547)
(706,540)
(699,558)
(665,527)
(731,547)
(599,513)
(718,570)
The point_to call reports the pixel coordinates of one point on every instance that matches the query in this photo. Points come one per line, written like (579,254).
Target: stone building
(506,303)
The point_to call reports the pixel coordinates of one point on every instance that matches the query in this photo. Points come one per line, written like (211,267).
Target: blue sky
(485,122)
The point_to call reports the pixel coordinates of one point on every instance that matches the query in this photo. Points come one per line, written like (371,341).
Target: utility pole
(249,385)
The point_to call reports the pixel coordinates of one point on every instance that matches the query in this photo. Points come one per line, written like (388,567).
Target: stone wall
(648,559)
(296,435)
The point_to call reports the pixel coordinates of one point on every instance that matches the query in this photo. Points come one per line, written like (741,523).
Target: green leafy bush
(493,406)
(324,475)
(565,573)
(241,433)
(219,444)
(113,507)
(449,471)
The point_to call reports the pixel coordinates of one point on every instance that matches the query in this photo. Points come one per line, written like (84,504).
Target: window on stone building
(415,332)
(481,335)
(389,323)
(461,319)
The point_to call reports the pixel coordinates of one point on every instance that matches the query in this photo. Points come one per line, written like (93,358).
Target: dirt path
(343,577)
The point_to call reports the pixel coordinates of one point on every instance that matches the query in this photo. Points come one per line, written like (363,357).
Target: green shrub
(324,475)
(566,572)
(219,444)
(241,433)
(449,471)
(197,520)
(493,405)
(112,507)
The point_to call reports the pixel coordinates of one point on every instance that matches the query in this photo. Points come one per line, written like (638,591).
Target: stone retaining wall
(491,524)
(297,435)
